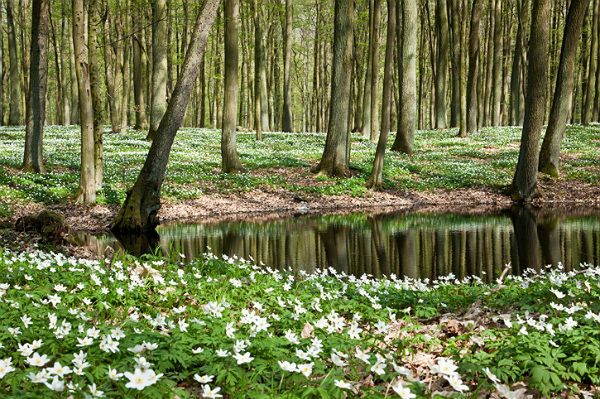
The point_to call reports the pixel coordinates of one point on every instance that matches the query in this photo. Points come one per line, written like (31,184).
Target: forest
(299,198)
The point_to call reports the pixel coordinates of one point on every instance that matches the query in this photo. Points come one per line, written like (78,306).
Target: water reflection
(414,245)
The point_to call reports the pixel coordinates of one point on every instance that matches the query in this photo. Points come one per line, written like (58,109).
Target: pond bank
(272,203)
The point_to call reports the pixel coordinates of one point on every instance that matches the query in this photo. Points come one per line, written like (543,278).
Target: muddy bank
(266,204)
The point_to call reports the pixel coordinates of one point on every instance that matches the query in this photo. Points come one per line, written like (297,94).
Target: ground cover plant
(280,161)
(149,328)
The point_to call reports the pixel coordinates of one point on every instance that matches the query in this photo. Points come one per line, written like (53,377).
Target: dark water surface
(417,245)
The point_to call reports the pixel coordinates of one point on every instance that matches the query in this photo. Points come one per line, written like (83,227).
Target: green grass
(441,161)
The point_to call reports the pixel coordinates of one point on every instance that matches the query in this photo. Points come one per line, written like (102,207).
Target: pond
(417,245)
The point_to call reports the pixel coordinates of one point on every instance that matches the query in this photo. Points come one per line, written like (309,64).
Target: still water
(417,245)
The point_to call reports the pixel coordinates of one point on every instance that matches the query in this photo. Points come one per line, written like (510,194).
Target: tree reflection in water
(415,245)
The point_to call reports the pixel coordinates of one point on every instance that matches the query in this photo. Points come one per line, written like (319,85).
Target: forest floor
(445,173)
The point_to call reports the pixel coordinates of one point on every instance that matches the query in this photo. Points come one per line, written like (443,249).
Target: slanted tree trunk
(407,75)
(14,105)
(563,92)
(38,76)
(334,161)
(230,160)
(260,75)
(441,69)
(94,44)
(139,212)
(590,92)
(524,185)
(473,74)
(288,120)
(159,65)
(376,180)
(87,182)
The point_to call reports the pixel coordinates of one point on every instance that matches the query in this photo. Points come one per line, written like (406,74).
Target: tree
(524,186)
(14,105)
(497,69)
(87,182)
(159,65)
(139,211)
(563,92)
(288,121)
(261,101)
(376,179)
(230,160)
(473,74)
(374,54)
(36,107)
(590,93)
(407,75)
(139,96)
(441,70)
(334,161)
(95,24)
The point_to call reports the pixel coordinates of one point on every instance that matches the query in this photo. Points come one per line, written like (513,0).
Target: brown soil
(275,202)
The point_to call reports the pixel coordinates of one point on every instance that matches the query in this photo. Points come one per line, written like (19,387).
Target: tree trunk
(590,92)
(95,23)
(473,74)
(515,75)
(288,121)
(138,69)
(38,76)
(525,179)
(14,105)
(230,160)
(159,65)
(376,180)
(374,52)
(334,161)
(563,93)
(441,69)
(139,212)
(366,99)
(87,183)
(497,70)
(407,75)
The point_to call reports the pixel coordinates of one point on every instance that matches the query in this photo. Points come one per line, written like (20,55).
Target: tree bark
(563,92)
(38,76)
(376,180)
(366,104)
(590,92)
(139,212)
(334,161)
(87,182)
(94,25)
(159,65)
(138,69)
(288,120)
(473,74)
(14,105)
(516,98)
(441,70)
(497,69)
(407,75)
(230,160)
(374,52)
(525,179)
